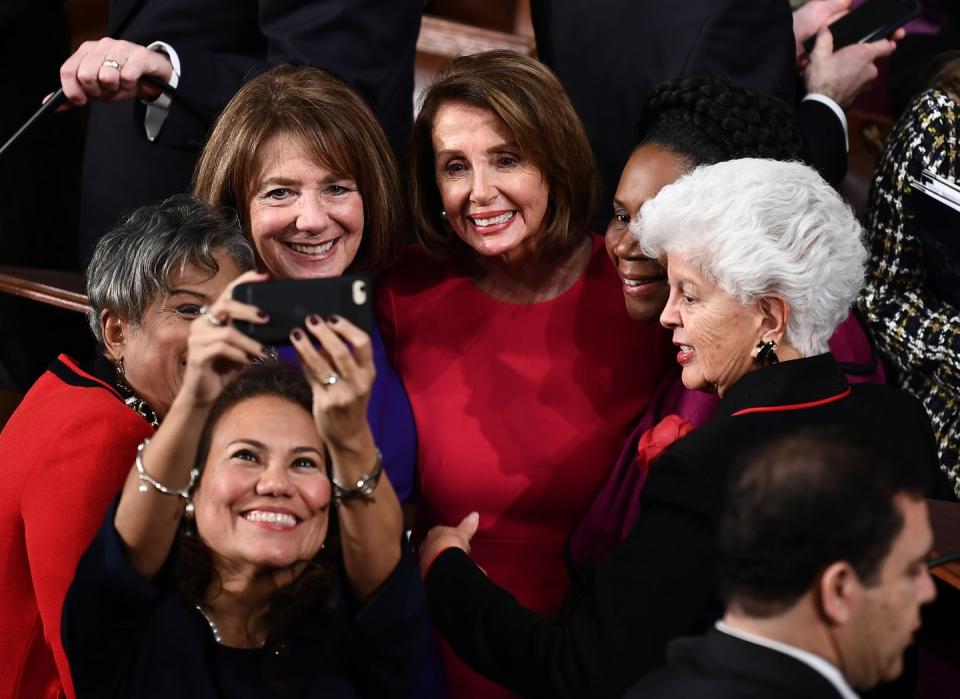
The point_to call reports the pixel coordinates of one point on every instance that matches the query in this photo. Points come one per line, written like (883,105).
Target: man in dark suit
(822,554)
(610,55)
(138,153)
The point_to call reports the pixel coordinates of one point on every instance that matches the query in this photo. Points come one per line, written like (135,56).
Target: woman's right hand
(216,351)
(91,73)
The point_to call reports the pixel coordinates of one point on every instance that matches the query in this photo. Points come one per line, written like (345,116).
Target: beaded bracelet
(146,478)
(365,486)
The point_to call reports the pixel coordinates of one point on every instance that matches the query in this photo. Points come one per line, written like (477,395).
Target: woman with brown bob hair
(508,328)
(302,160)
(333,125)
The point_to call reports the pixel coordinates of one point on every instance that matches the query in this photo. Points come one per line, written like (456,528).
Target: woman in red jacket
(68,447)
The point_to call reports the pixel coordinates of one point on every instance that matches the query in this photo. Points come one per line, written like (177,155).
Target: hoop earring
(765,353)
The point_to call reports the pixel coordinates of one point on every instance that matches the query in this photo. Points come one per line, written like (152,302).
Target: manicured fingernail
(297,335)
(313,319)
(333,320)
(262,315)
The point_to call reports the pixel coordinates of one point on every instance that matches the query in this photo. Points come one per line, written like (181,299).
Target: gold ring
(111,63)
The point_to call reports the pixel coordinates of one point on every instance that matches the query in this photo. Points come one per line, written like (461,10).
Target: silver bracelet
(365,486)
(146,478)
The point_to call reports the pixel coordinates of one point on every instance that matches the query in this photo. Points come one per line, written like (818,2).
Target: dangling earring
(443,214)
(189,510)
(118,369)
(765,353)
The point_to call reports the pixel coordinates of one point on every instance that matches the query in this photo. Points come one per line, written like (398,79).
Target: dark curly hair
(309,597)
(709,120)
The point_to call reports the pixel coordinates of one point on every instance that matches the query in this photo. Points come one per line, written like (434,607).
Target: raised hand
(341,379)
(216,351)
(843,75)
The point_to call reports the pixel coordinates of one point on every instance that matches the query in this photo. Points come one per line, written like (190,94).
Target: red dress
(67,449)
(520,410)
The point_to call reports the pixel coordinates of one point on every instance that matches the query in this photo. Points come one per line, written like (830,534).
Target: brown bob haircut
(333,124)
(529,99)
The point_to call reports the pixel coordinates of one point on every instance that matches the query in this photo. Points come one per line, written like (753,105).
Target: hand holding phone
(874,19)
(289,301)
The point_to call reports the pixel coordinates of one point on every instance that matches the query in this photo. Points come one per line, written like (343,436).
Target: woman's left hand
(341,379)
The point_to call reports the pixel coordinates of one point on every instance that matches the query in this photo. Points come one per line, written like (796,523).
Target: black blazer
(611,54)
(370,44)
(660,583)
(721,666)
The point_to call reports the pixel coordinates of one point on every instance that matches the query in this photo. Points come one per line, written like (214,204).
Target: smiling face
(263,501)
(155,350)
(495,200)
(305,221)
(650,168)
(888,615)
(716,335)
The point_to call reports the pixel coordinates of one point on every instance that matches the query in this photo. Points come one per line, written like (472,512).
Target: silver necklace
(217,636)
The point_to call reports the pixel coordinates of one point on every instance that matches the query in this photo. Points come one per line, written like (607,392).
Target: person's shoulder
(66,393)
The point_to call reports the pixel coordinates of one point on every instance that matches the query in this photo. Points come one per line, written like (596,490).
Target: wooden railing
(61,289)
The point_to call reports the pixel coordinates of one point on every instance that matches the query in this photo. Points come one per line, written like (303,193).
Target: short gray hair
(762,227)
(134,262)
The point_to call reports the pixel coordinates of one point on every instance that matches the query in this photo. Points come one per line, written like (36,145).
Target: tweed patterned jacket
(918,332)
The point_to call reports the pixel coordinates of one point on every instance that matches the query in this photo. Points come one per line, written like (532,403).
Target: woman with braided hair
(687,123)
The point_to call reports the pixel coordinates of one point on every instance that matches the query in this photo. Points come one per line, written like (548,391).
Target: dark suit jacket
(721,666)
(370,44)
(610,54)
(660,583)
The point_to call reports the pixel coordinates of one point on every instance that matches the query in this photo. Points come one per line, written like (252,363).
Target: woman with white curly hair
(764,260)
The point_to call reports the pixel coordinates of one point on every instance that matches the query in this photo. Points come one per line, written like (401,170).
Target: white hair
(764,227)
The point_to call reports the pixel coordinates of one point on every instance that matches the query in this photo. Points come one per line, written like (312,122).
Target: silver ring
(110,63)
(210,318)
(332,379)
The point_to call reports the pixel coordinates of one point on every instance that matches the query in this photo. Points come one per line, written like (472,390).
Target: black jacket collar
(787,384)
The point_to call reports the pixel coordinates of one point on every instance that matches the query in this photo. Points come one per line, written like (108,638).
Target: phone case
(288,302)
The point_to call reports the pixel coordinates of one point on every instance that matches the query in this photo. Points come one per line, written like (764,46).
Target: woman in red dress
(508,329)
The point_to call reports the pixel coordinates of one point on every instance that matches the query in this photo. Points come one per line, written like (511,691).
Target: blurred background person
(69,445)
(610,57)
(507,326)
(815,606)
(306,167)
(915,319)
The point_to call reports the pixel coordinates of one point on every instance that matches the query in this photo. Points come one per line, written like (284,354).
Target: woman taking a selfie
(302,160)
(253,595)
(68,446)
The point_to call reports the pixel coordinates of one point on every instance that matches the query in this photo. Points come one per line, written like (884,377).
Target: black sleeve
(657,585)
(749,42)
(105,613)
(369,44)
(826,143)
(390,634)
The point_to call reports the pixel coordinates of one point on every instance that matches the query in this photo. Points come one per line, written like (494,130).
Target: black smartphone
(872,20)
(289,301)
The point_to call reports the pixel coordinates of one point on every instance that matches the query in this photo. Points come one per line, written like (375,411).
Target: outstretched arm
(341,373)
(147,519)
